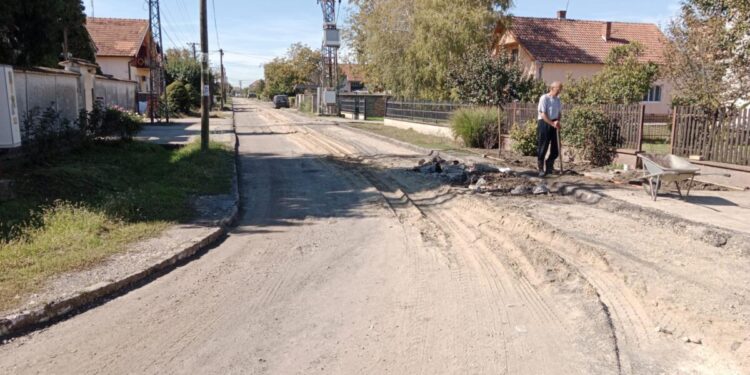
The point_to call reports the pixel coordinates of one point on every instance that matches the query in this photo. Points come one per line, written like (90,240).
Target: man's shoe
(542,174)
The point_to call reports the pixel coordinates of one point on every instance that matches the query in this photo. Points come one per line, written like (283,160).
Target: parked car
(281,101)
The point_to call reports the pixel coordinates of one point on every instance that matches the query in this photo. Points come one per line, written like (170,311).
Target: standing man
(548,124)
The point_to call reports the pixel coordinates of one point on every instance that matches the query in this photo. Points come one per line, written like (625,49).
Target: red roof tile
(555,40)
(353,72)
(117,36)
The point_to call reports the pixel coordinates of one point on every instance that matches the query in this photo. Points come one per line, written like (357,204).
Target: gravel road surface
(347,262)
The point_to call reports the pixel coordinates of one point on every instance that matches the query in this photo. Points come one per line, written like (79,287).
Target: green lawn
(83,207)
(409,136)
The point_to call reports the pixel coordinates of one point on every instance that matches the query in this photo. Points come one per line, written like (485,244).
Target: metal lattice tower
(157,82)
(330,51)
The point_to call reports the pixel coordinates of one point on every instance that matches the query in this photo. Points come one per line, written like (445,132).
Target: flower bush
(586,129)
(121,122)
(524,138)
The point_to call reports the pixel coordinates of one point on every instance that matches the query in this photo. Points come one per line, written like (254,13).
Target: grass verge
(409,136)
(90,204)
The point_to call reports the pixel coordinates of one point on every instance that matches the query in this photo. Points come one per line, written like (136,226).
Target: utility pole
(195,54)
(158,82)
(223,90)
(328,95)
(205,89)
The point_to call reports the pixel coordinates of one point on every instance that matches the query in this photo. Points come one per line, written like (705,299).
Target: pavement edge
(21,323)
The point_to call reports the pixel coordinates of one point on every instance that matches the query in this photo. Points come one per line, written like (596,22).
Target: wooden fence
(720,136)
(625,121)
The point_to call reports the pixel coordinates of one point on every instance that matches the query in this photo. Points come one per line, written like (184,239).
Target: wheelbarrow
(665,169)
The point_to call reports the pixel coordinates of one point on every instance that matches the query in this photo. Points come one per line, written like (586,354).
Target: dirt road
(347,262)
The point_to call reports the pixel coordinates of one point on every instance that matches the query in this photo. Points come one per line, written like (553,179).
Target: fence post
(673,137)
(639,147)
(499,130)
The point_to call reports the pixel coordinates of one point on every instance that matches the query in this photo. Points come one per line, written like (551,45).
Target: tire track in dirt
(631,324)
(489,277)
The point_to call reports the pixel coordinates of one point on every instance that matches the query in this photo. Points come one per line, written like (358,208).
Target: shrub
(524,138)
(476,127)
(586,130)
(119,122)
(194,95)
(178,97)
(46,132)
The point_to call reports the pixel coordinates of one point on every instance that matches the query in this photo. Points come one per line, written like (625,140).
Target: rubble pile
(481,177)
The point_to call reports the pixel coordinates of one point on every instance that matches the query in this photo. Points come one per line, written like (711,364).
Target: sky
(253,32)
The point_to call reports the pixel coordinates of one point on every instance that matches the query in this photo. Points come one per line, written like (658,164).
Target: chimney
(561,14)
(607,31)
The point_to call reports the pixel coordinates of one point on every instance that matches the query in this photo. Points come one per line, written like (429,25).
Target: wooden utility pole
(205,85)
(195,53)
(223,90)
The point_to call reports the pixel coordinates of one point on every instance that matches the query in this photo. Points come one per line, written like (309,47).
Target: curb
(18,324)
(408,145)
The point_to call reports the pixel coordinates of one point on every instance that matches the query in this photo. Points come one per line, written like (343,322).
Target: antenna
(566,6)
(92,8)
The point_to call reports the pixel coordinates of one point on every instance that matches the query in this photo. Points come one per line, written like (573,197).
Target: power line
(181,40)
(216,25)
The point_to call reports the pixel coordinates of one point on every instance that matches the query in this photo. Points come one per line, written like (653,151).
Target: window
(514,55)
(653,94)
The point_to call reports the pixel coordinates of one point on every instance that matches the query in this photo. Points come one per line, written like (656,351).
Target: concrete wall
(44,89)
(69,92)
(117,67)
(440,131)
(113,92)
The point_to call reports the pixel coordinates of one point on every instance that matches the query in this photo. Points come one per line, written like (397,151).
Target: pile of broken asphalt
(482,177)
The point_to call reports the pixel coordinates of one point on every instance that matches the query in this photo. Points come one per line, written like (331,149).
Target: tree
(300,66)
(408,47)
(305,62)
(492,80)
(181,66)
(32,31)
(624,79)
(178,97)
(280,77)
(708,55)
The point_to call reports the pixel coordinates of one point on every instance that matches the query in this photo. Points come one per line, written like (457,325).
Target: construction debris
(521,190)
(541,189)
(482,177)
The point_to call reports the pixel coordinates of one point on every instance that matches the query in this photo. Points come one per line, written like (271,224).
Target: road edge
(25,322)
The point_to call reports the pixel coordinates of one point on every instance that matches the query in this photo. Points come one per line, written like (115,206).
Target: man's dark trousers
(546,140)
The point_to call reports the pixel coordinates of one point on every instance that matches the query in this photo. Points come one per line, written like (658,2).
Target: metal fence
(423,111)
(657,132)
(356,105)
(721,135)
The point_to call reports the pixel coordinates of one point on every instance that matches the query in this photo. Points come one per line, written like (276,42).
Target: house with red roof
(123,47)
(553,49)
(354,78)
